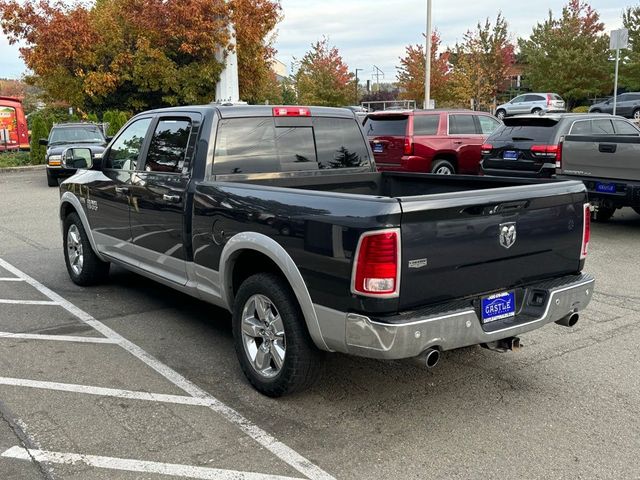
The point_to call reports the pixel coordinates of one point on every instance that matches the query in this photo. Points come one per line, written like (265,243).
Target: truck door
(108,195)
(466,141)
(159,196)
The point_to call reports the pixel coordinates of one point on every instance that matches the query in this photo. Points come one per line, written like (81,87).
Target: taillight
(552,152)
(486,149)
(559,156)
(408,146)
(548,99)
(291,112)
(376,272)
(586,231)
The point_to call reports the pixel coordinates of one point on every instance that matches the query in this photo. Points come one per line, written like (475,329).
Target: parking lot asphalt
(131,380)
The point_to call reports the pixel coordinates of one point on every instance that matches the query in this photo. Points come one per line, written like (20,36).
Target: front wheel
(443,167)
(271,340)
(83,265)
(536,111)
(636,114)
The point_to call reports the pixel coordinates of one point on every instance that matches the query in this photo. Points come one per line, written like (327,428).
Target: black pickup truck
(278,215)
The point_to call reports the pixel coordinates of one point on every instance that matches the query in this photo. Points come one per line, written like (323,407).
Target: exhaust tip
(570,320)
(431,358)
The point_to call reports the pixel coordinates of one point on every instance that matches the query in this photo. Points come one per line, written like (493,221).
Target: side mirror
(43,141)
(108,139)
(77,158)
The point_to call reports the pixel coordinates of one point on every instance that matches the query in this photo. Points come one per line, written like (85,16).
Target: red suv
(429,141)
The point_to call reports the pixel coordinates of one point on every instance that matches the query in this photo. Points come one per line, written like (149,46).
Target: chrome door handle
(171,198)
(122,189)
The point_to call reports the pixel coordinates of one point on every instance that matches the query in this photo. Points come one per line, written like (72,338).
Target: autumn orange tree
(411,72)
(323,77)
(136,54)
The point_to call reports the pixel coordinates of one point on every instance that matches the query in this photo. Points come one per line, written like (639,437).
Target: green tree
(323,78)
(630,65)
(568,55)
(38,130)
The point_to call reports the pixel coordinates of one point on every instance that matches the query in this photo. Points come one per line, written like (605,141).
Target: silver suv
(531,103)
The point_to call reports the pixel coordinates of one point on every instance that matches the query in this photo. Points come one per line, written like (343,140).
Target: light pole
(356,97)
(227,89)
(427,70)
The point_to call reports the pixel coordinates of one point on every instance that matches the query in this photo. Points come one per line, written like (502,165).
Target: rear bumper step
(374,338)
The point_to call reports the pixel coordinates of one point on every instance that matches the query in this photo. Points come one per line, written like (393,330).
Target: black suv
(531,145)
(67,135)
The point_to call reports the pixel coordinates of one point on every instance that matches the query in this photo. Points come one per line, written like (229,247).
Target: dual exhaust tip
(431,356)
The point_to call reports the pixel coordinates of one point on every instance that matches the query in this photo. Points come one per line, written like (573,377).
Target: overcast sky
(375,32)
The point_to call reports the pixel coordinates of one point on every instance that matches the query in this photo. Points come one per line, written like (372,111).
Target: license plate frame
(378,148)
(510,155)
(498,306)
(603,187)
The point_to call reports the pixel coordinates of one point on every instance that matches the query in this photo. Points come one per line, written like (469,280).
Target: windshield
(80,134)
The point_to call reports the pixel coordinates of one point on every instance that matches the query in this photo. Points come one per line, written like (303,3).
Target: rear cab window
(267,145)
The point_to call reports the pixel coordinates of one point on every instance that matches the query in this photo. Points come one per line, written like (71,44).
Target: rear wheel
(536,111)
(602,214)
(51,180)
(443,167)
(595,110)
(636,114)
(83,265)
(500,114)
(273,345)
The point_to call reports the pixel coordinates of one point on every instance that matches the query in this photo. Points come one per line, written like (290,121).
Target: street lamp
(427,70)
(356,97)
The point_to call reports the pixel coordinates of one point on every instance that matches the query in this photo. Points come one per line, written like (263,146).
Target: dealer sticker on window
(498,306)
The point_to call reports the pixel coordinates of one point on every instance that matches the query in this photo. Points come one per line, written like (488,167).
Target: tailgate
(609,156)
(457,245)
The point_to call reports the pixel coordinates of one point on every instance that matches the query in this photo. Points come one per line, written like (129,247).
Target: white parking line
(11,279)
(128,465)
(28,302)
(279,449)
(105,392)
(57,338)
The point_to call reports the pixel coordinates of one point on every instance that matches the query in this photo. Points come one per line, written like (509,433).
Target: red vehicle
(429,141)
(13,125)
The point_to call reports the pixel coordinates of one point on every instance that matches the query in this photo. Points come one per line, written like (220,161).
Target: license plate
(605,187)
(377,148)
(498,306)
(510,155)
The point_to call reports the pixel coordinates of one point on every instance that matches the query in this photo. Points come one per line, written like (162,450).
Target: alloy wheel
(74,250)
(263,336)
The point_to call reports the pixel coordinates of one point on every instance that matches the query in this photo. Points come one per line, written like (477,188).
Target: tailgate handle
(509,207)
(607,147)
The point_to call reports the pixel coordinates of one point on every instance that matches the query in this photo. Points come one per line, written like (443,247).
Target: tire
(602,214)
(536,111)
(636,114)
(443,167)
(501,114)
(300,360)
(51,180)
(83,265)
(595,110)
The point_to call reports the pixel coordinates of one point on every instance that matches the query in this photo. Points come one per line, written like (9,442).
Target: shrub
(581,109)
(39,129)
(14,159)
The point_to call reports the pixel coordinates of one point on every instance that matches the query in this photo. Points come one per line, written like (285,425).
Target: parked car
(627,105)
(65,135)
(531,145)
(607,163)
(531,103)
(279,215)
(14,134)
(429,141)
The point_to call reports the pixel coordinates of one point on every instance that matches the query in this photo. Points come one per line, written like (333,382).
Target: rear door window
(426,124)
(386,126)
(487,124)
(583,127)
(534,98)
(462,125)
